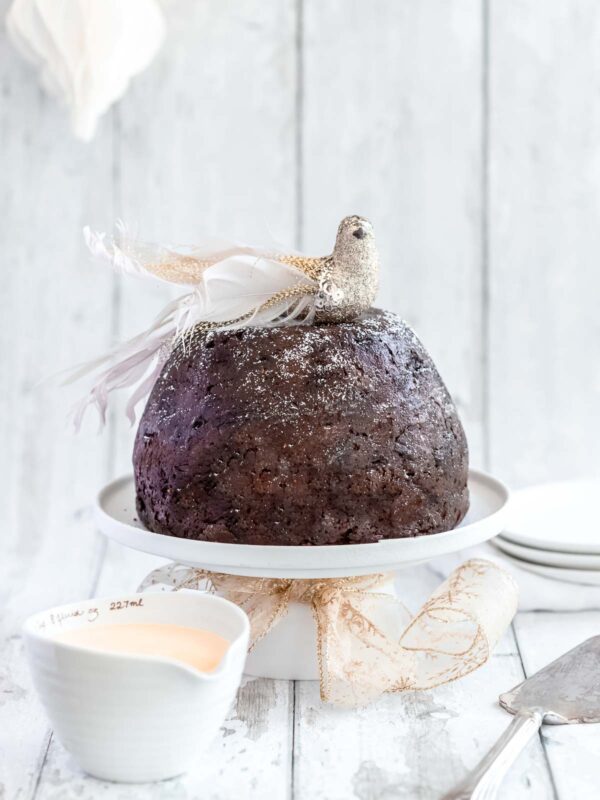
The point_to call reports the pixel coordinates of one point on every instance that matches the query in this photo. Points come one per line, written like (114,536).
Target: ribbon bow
(367,641)
(229,285)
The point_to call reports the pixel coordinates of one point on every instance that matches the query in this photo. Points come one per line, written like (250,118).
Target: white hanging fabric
(87,50)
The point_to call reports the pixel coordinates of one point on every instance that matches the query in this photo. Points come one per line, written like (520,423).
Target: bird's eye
(359,233)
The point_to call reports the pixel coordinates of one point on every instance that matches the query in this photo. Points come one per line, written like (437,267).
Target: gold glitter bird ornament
(230,285)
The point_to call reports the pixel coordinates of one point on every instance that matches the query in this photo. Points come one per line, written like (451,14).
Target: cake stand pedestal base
(289,650)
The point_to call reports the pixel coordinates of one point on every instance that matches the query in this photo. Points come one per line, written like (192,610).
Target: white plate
(117,519)
(549,558)
(588,577)
(557,516)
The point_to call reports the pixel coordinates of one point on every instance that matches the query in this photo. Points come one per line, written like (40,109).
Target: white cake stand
(289,650)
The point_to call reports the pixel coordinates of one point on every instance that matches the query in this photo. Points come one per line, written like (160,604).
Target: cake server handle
(484,781)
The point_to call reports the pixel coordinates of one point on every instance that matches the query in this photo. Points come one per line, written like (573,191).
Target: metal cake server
(564,692)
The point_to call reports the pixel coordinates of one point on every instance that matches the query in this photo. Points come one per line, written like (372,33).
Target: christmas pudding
(336,433)
(283,409)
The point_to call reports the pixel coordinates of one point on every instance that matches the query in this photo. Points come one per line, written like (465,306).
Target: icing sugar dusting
(333,433)
(284,373)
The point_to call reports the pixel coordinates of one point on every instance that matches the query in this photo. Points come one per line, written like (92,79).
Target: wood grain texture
(206,141)
(392,129)
(544,239)
(250,759)
(253,754)
(273,120)
(571,750)
(53,313)
(396,747)
(182,171)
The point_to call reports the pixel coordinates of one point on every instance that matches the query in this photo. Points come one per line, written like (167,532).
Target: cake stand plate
(116,517)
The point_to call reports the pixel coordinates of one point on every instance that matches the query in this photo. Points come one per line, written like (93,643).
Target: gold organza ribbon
(367,641)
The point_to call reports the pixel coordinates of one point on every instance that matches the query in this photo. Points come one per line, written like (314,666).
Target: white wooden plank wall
(391,128)
(468,131)
(544,238)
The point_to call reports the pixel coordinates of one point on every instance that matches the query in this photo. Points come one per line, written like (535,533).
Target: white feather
(230,292)
(108,249)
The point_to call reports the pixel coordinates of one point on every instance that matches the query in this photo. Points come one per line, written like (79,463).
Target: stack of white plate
(554,530)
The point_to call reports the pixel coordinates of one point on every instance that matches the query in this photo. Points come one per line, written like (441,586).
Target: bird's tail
(229,286)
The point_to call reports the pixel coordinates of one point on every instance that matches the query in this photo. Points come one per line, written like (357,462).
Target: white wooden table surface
(468,131)
(280,741)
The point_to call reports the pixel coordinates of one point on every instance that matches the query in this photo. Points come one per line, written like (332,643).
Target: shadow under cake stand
(289,651)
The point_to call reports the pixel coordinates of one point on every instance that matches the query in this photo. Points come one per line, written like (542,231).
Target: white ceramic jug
(135,717)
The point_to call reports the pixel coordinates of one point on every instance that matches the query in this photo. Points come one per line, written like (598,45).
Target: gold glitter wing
(186,265)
